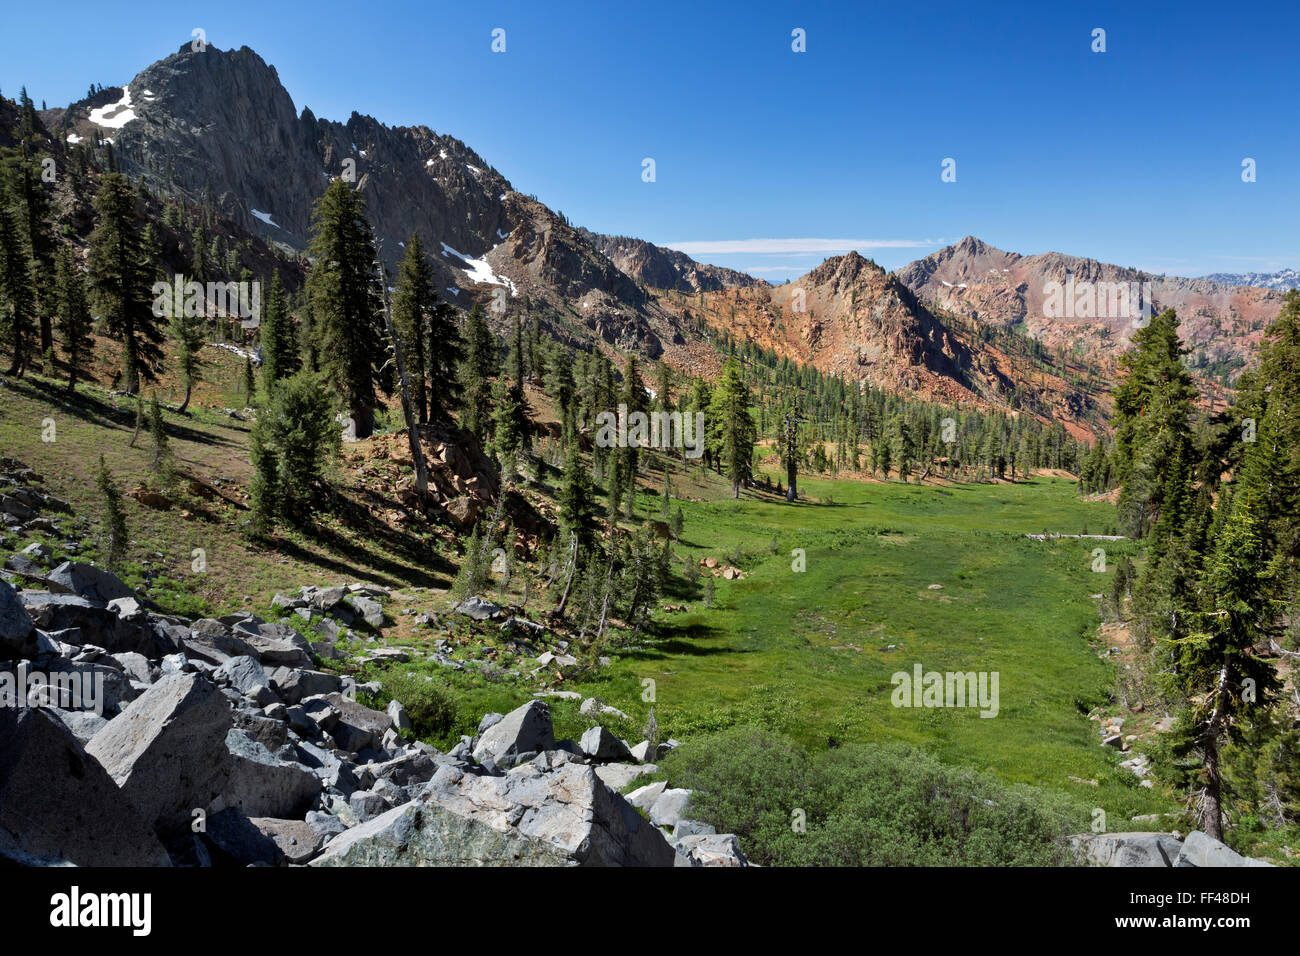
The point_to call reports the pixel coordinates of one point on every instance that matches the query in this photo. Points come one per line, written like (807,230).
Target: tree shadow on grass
(683,640)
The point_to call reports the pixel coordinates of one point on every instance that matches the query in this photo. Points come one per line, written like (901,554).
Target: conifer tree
(115,532)
(121,276)
(18,304)
(187,337)
(481,365)
(345,298)
(74,316)
(733,426)
(280,357)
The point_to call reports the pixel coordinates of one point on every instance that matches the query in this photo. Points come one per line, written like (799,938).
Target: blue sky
(770,160)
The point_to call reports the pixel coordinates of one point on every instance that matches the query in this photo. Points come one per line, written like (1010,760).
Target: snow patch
(74,139)
(473,169)
(114,115)
(478,270)
(264,216)
(453,290)
(442,154)
(428,162)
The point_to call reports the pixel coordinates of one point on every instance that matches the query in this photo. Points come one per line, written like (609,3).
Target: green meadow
(811,653)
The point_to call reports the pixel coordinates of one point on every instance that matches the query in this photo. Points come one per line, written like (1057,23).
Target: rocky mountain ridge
(1220,324)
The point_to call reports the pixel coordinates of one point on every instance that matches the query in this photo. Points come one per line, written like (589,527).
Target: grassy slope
(807,653)
(810,653)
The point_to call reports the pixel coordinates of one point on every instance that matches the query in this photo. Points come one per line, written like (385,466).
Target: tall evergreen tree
(481,365)
(121,278)
(1152,419)
(187,337)
(733,425)
(18,304)
(280,357)
(345,298)
(74,316)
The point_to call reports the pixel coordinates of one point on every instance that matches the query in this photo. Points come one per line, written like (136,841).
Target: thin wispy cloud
(722,247)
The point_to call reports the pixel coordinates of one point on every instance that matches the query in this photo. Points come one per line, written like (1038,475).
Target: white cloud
(793,246)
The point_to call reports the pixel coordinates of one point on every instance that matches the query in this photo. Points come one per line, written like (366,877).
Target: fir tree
(115,533)
(481,364)
(733,426)
(279,342)
(120,276)
(187,337)
(74,316)
(345,299)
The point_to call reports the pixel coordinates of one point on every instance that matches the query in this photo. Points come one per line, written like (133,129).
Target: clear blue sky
(1130,156)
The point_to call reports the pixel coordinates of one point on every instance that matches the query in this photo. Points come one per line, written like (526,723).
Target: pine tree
(481,365)
(576,501)
(345,298)
(187,336)
(74,316)
(249,382)
(115,532)
(414,302)
(1152,410)
(17,287)
(32,209)
(733,426)
(296,433)
(512,425)
(120,276)
(279,342)
(161,460)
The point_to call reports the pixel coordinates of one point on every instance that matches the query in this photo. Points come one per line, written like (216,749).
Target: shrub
(431,709)
(867,805)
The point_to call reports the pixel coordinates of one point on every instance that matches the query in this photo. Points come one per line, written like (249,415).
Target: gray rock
(1125,849)
(478,609)
(527,728)
(166,751)
(242,673)
(616,776)
(525,818)
(357,727)
(489,720)
(591,707)
(270,733)
(397,714)
(643,798)
(83,724)
(1201,849)
(213,642)
(325,825)
(366,805)
(92,583)
(96,624)
(672,806)
(711,849)
(136,666)
(57,802)
(262,785)
(643,752)
(232,836)
(297,840)
(372,612)
(296,684)
(685,828)
(599,744)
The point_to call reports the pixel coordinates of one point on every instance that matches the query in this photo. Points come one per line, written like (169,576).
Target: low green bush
(866,805)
